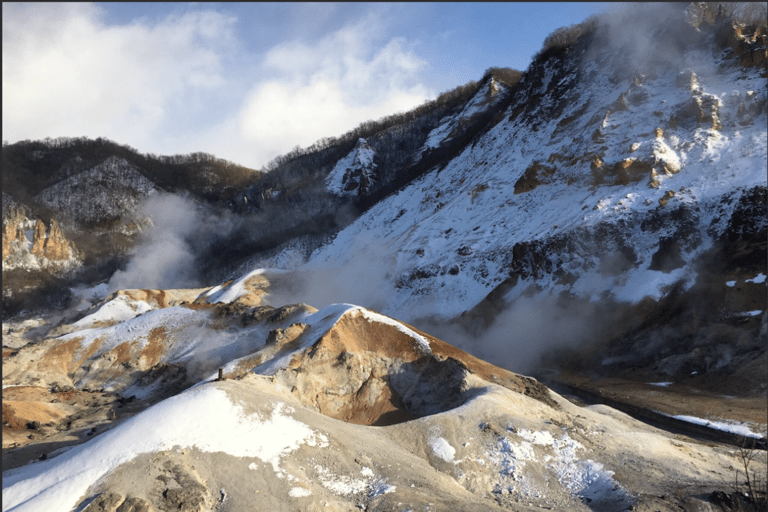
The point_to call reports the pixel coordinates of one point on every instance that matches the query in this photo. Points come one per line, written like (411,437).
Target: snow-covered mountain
(340,331)
(628,150)
(602,185)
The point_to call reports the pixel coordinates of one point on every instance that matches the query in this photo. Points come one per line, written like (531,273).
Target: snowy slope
(593,181)
(449,236)
(354,173)
(495,448)
(488,97)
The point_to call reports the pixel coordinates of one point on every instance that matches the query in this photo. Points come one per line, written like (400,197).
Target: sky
(249,81)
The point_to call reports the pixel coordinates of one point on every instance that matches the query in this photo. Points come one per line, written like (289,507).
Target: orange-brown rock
(669,194)
(12,232)
(56,246)
(531,178)
(38,240)
(372,373)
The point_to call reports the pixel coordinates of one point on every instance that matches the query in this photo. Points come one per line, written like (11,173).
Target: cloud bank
(188,82)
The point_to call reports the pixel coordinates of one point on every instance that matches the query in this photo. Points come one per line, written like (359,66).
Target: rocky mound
(169,401)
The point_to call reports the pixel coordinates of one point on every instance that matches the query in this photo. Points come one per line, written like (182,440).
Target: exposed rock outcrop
(30,245)
(355,174)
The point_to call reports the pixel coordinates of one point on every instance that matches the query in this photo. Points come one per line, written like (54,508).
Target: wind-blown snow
(212,423)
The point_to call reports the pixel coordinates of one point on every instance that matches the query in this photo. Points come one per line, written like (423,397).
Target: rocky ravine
(292,408)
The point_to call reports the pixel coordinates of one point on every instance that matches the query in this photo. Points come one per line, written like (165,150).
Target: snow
(212,423)
(119,309)
(662,384)
(193,341)
(321,322)
(759,279)
(442,448)
(581,478)
(379,487)
(478,209)
(361,157)
(346,485)
(732,427)
(340,484)
(477,104)
(299,492)
(235,290)
(730,284)
(756,312)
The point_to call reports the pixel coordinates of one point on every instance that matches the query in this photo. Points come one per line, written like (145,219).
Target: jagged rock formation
(29,244)
(354,174)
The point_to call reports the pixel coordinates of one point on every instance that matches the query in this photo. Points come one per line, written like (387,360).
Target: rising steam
(166,257)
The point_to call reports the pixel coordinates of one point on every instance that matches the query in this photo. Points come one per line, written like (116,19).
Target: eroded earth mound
(180,400)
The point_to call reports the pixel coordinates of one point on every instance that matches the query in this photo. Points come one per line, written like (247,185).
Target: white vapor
(188,83)
(165,258)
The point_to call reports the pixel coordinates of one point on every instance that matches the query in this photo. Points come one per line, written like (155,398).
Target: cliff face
(31,245)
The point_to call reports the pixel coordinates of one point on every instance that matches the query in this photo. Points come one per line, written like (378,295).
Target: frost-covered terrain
(341,406)
(448,239)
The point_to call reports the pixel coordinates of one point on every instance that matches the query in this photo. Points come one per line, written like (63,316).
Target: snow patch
(755,312)
(119,309)
(740,429)
(212,423)
(299,492)
(442,448)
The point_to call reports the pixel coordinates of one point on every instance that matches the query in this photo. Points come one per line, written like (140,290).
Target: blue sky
(249,81)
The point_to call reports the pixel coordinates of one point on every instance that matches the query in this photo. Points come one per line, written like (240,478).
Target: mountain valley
(544,289)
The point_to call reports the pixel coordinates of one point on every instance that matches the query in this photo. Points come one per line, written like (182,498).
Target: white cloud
(175,86)
(329,88)
(66,73)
